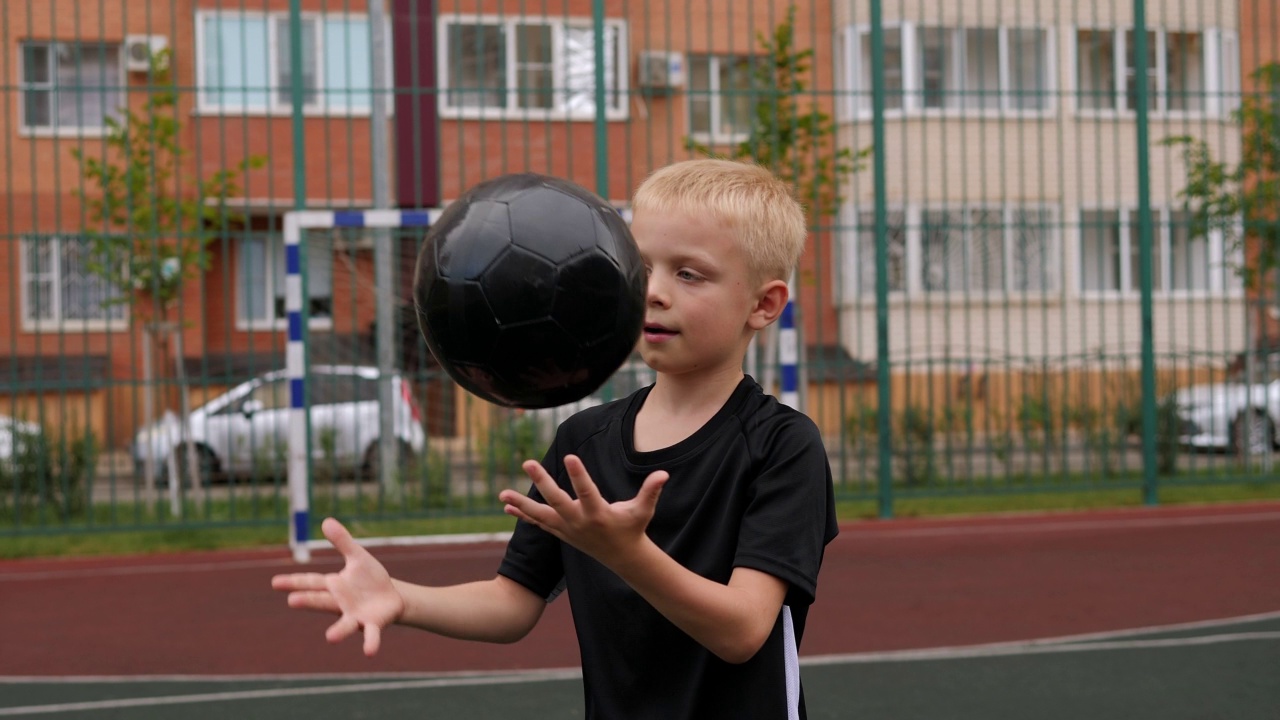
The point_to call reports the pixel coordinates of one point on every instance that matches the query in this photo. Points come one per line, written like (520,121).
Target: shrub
(46,476)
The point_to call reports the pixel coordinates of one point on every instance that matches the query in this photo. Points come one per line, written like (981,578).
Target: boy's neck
(679,405)
(694,393)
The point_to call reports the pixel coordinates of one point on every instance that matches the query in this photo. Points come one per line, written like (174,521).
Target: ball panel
(550,223)
(589,296)
(519,286)
(470,245)
(458,324)
(540,379)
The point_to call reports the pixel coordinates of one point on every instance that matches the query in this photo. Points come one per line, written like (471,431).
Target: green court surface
(1221,669)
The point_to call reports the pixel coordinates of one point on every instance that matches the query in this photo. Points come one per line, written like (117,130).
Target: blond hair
(753,204)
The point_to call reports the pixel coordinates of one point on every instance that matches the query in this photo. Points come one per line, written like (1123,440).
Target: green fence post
(883,412)
(602,127)
(1149,479)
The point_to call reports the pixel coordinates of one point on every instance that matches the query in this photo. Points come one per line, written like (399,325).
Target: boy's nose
(654,294)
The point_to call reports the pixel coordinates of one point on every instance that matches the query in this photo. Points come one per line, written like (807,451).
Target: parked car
(1234,415)
(246,429)
(12,433)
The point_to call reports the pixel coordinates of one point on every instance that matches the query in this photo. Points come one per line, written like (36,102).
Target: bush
(918,459)
(46,476)
(510,443)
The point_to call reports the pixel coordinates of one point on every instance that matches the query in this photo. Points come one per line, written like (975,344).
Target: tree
(150,226)
(1241,200)
(789,133)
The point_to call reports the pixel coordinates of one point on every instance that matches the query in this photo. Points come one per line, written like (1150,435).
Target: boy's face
(701,295)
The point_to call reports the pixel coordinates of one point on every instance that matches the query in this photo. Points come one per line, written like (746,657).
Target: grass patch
(222,526)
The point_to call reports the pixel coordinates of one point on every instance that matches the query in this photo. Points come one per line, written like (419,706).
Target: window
(274,395)
(968,69)
(1111,259)
(497,67)
(1187,71)
(978,250)
(58,287)
(244,63)
(859,276)
(70,86)
(860,73)
(721,98)
(341,389)
(260,281)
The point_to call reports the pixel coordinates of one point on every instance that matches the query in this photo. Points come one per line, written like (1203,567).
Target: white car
(1234,415)
(12,432)
(246,429)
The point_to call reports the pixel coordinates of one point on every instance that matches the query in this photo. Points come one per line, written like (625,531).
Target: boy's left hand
(609,532)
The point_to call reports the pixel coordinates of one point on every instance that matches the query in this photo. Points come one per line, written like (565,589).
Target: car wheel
(208,466)
(372,467)
(1252,433)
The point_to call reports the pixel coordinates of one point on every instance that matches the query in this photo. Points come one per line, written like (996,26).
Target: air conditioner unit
(661,69)
(138,50)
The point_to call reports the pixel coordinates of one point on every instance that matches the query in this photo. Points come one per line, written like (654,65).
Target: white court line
(1033,648)
(535,676)
(571,674)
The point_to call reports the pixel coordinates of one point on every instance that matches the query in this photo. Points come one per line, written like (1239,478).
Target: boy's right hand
(362,594)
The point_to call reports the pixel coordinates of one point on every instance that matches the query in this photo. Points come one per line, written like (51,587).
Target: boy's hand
(362,593)
(603,530)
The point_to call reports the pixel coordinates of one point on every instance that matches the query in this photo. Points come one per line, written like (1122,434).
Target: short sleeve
(533,556)
(790,515)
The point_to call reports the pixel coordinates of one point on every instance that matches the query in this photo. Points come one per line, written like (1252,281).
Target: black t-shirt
(751,488)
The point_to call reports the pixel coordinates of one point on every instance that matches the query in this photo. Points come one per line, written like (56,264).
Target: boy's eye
(687,275)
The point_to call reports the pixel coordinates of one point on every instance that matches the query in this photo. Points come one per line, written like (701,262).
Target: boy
(688,520)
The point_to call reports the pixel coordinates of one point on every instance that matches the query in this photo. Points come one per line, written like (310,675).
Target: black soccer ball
(530,291)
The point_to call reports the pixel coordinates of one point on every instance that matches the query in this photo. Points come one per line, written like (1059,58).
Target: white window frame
(274,106)
(275,242)
(715,98)
(913,216)
(1221,81)
(1220,258)
(512,110)
(57,322)
(84,131)
(857,102)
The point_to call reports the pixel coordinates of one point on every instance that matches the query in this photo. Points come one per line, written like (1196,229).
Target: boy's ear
(769,304)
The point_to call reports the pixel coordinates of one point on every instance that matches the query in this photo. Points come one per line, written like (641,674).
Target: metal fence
(1041,254)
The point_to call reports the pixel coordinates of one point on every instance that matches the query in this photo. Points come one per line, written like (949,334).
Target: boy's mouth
(655,332)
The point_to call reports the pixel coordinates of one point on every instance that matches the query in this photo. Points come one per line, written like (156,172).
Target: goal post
(296,222)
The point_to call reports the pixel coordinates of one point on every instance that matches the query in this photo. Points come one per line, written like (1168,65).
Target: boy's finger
(651,489)
(546,485)
(340,537)
(341,629)
(372,639)
(529,510)
(311,600)
(583,486)
(298,581)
